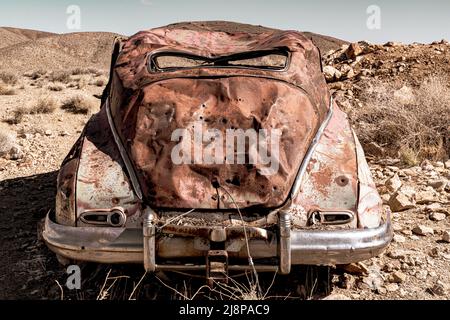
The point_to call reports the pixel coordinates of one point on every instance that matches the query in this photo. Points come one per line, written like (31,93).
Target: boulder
(400,202)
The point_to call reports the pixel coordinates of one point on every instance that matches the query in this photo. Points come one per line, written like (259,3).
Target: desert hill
(11,36)
(23,50)
(57,52)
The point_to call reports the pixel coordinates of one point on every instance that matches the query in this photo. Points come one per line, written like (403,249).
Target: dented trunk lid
(193,117)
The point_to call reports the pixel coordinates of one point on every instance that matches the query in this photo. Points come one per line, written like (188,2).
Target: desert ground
(396,95)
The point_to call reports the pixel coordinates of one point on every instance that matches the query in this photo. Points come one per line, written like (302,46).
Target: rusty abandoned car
(168,174)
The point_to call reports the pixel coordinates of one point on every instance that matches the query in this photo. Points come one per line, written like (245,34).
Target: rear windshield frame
(153,67)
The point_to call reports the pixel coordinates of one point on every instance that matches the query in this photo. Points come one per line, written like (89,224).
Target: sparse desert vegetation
(78,104)
(8,78)
(6,90)
(414,123)
(59,76)
(44,105)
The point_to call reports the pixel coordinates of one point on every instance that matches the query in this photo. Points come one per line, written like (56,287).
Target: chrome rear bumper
(311,247)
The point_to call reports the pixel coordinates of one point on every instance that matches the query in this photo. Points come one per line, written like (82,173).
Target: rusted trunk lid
(241,105)
(149,107)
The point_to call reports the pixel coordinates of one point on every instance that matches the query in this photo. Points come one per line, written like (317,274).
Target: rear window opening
(275,59)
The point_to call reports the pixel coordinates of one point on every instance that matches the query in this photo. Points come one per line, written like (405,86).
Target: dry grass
(78,105)
(100,82)
(8,78)
(44,105)
(35,74)
(83,82)
(55,87)
(409,123)
(59,76)
(18,115)
(6,90)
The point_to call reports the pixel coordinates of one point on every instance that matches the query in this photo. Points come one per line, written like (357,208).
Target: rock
(446,236)
(374,149)
(393,184)
(439,288)
(421,274)
(400,202)
(336,296)
(392,266)
(439,164)
(15,153)
(438,185)
(399,254)
(331,73)
(435,207)
(353,51)
(346,281)
(424,197)
(392,287)
(408,172)
(385,197)
(373,281)
(64,133)
(422,230)
(48,132)
(397,277)
(392,44)
(437,216)
(399,238)
(426,165)
(434,253)
(356,268)
(407,232)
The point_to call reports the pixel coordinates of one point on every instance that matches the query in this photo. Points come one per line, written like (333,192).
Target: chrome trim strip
(309,153)
(123,153)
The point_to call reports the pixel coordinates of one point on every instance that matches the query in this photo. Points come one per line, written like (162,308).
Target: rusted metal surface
(102,182)
(331,181)
(148,106)
(123,162)
(66,185)
(370,205)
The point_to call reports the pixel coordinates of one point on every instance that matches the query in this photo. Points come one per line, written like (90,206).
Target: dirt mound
(59,52)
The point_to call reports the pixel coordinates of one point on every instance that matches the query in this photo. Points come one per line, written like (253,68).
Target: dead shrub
(6,90)
(55,87)
(410,123)
(44,105)
(35,74)
(59,76)
(78,105)
(8,78)
(18,115)
(79,71)
(100,82)
(83,82)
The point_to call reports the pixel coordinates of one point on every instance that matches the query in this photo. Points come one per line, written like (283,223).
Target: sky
(377,21)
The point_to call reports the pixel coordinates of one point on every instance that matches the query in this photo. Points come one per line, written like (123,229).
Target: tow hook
(216,267)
